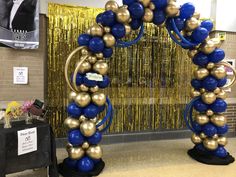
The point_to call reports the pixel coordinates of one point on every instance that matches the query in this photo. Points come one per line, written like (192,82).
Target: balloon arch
(90,77)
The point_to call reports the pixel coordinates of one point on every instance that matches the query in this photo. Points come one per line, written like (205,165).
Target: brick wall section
(231,117)
(34,59)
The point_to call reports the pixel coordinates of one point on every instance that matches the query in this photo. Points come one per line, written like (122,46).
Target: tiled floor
(153,159)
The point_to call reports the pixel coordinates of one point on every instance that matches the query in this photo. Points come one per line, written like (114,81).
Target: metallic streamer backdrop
(149,81)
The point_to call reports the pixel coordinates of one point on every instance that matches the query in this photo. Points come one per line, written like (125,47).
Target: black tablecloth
(45,155)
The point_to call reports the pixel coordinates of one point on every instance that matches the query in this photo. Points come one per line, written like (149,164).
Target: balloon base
(210,159)
(66,171)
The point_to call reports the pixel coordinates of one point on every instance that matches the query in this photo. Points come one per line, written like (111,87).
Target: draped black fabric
(45,155)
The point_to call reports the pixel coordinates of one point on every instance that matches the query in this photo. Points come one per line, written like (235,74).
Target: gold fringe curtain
(149,81)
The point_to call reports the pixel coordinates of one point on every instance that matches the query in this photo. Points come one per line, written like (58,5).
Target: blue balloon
(135,24)
(200,147)
(207,24)
(210,83)
(89,83)
(187,10)
(108,18)
(159,17)
(220,152)
(96,45)
(199,34)
(118,31)
(197,84)
(200,106)
(99,18)
(74,110)
(95,139)
(79,79)
(101,108)
(75,138)
(107,52)
(83,39)
(222,82)
(222,130)
(160,4)
(197,127)
(71,163)
(105,83)
(219,106)
(200,59)
(95,161)
(85,164)
(217,56)
(179,23)
(209,130)
(91,111)
(128,2)
(136,10)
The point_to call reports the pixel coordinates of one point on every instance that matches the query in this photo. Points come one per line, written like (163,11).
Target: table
(45,155)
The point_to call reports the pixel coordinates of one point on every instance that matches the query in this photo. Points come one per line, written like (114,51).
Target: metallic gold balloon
(201,73)
(219,120)
(202,135)
(215,137)
(112,5)
(152,6)
(101,67)
(72,96)
(196,15)
(196,139)
(192,24)
(88,31)
(209,97)
(222,141)
(76,153)
(95,152)
(209,112)
(219,72)
(92,59)
(83,88)
(122,15)
(208,47)
(145,2)
(96,30)
(68,147)
(127,29)
(99,98)
(84,67)
(82,119)
(172,9)
(148,15)
(99,55)
(94,120)
(222,94)
(84,52)
(192,53)
(94,89)
(85,145)
(217,90)
(217,42)
(202,119)
(107,29)
(82,99)
(202,90)
(210,65)
(194,93)
(87,128)
(210,144)
(72,123)
(109,40)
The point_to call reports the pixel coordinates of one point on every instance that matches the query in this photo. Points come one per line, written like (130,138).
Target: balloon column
(90,77)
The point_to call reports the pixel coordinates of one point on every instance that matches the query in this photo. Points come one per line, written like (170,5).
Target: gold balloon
(85,145)
(101,67)
(96,30)
(222,94)
(219,120)
(84,52)
(148,15)
(210,144)
(82,99)
(202,135)
(202,90)
(94,120)
(217,42)
(99,98)
(95,152)
(112,5)
(196,139)
(194,93)
(209,97)
(215,137)
(217,90)
(222,141)
(82,119)
(219,72)
(208,47)
(196,15)
(201,73)
(202,119)
(83,88)
(109,40)
(84,67)
(87,128)
(209,112)
(172,9)
(145,2)
(92,59)
(68,147)
(210,65)
(122,15)
(76,153)
(152,6)
(99,56)
(127,29)
(107,29)
(94,89)
(192,53)
(72,123)
(72,96)
(192,24)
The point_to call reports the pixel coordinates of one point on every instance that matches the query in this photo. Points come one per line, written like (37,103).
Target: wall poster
(19,23)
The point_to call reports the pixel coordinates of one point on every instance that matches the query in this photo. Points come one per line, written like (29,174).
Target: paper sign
(27,141)
(94,76)
(20,75)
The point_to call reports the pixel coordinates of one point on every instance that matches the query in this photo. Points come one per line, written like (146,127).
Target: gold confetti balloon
(209,97)
(201,73)
(112,5)
(87,128)
(219,120)
(82,99)
(95,152)
(109,40)
(99,98)
(148,15)
(101,67)
(72,123)
(196,139)
(210,144)
(222,141)
(76,153)
(122,15)
(202,119)
(219,72)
